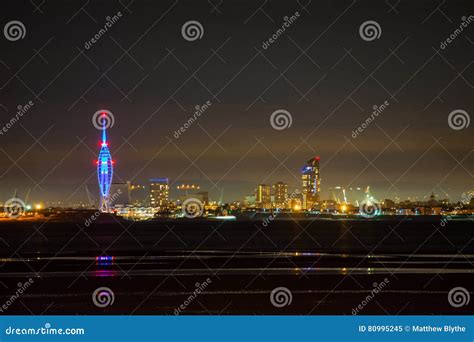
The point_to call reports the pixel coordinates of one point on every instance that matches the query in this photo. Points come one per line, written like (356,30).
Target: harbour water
(328,266)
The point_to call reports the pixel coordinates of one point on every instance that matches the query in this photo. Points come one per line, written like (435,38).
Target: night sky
(320,70)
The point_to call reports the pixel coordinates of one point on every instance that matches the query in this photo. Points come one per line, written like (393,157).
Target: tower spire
(104,129)
(105,167)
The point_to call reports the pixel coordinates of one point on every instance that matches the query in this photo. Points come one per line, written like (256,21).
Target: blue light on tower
(104,167)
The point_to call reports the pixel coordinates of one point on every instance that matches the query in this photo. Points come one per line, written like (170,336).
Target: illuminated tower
(311,183)
(105,169)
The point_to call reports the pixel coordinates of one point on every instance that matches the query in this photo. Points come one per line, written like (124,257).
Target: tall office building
(159,192)
(263,198)
(311,187)
(281,195)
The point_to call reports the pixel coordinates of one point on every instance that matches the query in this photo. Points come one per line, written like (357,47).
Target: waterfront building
(280,190)
(159,192)
(311,183)
(263,196)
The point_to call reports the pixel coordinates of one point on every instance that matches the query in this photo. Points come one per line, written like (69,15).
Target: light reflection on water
(106,273)
(177,255)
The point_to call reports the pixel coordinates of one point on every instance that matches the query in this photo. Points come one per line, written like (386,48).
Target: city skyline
(249,158)
(324,193)
(228,84)
(158,192)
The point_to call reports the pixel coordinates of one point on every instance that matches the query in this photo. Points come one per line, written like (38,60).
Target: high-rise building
(159,192)
(311,187)
(104,168)
(281,195)
(120,194)
(249,201)
(263,196)
(388,204)
(204,195)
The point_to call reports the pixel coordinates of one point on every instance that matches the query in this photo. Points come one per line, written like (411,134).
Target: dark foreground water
(399,265)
